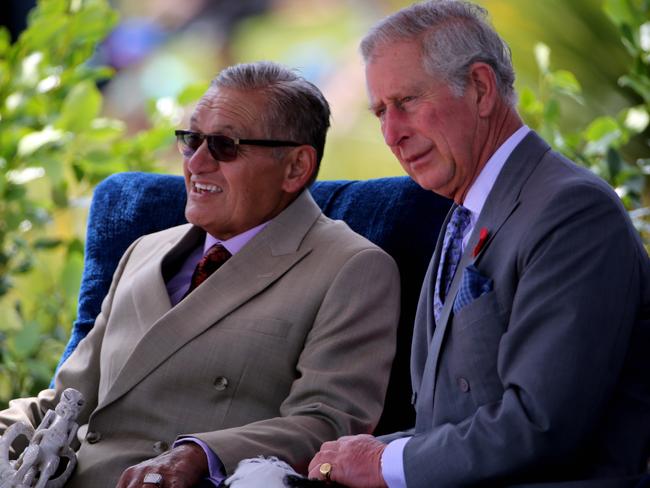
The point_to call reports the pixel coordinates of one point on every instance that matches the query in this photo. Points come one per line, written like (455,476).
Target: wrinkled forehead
(395,68)
(230,111)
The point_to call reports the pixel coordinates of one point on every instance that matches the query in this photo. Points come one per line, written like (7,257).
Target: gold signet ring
(325,469)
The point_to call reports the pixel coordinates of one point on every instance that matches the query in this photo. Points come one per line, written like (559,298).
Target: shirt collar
(234,244)
(480,189)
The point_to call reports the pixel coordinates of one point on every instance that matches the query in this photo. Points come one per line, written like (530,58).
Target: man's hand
(355,461)
(182,467)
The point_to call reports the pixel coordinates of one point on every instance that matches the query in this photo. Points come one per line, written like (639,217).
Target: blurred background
(92,87)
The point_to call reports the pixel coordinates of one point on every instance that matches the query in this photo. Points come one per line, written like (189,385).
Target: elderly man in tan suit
(287,344)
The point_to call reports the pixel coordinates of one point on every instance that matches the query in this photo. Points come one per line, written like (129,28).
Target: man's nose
(394,127)
(202,161)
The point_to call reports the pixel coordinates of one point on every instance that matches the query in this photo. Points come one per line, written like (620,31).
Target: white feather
(260,472)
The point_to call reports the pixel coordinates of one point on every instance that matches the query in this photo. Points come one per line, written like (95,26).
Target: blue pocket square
(472,286)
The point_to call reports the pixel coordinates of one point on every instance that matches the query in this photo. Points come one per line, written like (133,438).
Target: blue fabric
(394,213)
(472,286)
(452,249)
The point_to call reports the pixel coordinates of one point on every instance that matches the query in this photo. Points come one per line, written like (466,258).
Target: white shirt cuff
(392,463)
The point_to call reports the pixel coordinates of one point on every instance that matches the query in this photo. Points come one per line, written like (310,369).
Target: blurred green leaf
(601,127)
(47,243)
(71,274)
(620,12)
(565,81)
(614,162)
(638,83)
(552,111)
(5,41)
(34,141)
(528,101)
(191,93)
(25,340)
(80,108)
(542,56)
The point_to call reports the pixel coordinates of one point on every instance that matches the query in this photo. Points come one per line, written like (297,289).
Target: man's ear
(483,80)
(300,167)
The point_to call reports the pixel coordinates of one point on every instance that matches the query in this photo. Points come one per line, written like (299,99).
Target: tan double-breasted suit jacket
(287,345)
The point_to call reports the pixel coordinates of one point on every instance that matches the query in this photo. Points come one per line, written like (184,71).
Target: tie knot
(209,263)
(459,219)
(213,259)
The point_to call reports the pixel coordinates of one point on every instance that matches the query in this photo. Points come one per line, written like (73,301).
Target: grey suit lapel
(500,204)
(262,261)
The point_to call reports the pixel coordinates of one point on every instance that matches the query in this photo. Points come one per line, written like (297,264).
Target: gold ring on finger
(326,470)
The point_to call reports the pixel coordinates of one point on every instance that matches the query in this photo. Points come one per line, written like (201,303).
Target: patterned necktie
(209,263)
(449,257)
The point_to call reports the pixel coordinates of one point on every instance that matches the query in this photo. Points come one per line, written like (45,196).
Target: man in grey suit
(530,358)
(287,344)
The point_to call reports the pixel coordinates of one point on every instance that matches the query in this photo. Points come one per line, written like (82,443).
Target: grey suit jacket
(287,345)
(546,377)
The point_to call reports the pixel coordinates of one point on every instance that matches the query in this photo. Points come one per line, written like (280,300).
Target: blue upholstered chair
(394,213)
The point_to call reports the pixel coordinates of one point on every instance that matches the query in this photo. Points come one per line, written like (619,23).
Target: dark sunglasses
(222,148)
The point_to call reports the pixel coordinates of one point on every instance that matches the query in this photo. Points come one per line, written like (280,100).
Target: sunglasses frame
(212,145)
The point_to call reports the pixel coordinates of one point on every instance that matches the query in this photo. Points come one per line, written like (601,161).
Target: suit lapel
(150,297)
(501,202)
(267,257)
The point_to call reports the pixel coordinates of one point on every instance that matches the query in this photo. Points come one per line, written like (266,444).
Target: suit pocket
(261,325)
(477,332)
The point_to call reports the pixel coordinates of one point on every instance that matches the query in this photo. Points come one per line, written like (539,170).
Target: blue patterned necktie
(452,247)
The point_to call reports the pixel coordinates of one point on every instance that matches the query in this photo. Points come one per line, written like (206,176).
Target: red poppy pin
(482,239)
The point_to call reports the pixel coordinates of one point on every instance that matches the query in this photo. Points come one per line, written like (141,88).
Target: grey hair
(453,34)
(296,110)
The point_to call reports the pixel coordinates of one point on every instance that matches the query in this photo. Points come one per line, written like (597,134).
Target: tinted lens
(188,142)
(222,148)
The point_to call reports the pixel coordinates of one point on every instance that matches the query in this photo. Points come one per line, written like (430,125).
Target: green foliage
(54,146)
(604,144)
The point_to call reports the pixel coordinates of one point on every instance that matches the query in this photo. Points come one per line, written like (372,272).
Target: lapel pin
(482,239)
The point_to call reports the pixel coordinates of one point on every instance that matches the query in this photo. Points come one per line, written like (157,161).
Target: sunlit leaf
(528,102)
(644,36)
(22,176)
(80,107)
(542,56)
(637,119)
(601,127)
(32,142)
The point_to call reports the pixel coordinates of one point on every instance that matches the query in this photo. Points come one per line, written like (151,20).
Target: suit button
(81,432)
(221,383)
(463,384)
(160,447)
(93,437)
